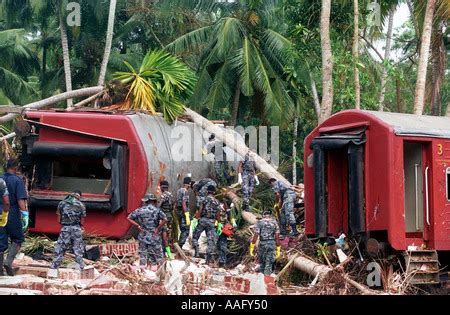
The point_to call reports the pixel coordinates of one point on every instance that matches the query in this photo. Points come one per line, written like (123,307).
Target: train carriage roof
(414,125)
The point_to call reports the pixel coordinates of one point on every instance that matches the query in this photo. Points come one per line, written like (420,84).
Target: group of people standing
(155,220)
(213,217)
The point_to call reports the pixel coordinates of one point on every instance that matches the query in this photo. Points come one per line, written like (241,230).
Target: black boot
(12,252)
(209,260)
(294,231)
(196,254)
(2,255)
(283,231)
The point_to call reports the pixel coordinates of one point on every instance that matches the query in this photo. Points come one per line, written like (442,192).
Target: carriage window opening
(447,174)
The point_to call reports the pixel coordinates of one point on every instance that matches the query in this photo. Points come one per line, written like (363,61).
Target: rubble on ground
(174,277)
(116,271)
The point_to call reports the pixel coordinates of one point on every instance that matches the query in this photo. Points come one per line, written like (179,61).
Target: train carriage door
(339,182)
(417,173)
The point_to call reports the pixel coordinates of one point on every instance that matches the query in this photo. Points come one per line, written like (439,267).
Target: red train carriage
(113,158)
(383,175)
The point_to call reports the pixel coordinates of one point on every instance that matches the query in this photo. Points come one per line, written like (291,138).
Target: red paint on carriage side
(104,125)
(384,181)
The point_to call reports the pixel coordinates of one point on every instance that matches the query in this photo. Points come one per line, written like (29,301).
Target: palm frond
(219,95)
(162,82)
(190,41)
(15,88)
(230,33)
(201,88)
(277,44)
(244,63)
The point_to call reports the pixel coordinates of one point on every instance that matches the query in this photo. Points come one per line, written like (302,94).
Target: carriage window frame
(447,182)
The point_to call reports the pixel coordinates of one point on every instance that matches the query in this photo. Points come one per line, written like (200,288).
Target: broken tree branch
(9,136)
(302,263)
(373,48)
(230,140)
(11,109)
(86,101)
(55,99)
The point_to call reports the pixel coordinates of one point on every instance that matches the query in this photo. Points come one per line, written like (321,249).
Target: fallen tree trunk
(86,101)
(9,136)
(11,109)
(249,217)
(302,263)
(55,99)
(230,140)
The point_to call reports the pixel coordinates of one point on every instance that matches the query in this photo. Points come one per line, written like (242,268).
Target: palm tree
(327,62)
(17,63)
(162,83)
(66,56)
(438,59)
(355,52)
(240,55)
(109,36)
(419,97)
(387,54)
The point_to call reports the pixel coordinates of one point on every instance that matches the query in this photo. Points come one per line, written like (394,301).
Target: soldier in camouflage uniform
(247,178)
(206,219)
(269,249)
(220,160)
(166,204)
(226,219)
(71,213)
(285,199)
(184,219)
(201,189)
(149,219)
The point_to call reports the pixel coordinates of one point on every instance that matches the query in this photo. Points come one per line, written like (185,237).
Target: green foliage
(240,53)
(266,53)
(323,250)
(162,82)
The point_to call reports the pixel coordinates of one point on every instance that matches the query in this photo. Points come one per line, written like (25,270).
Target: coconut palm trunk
(108,44)
(294,152)
(240,148)
(66,57)
(327,62)
(355,52)
(387,54)
(438,57)
(413,19)
(236,99)
(419,96)
(315,96)
(55,99)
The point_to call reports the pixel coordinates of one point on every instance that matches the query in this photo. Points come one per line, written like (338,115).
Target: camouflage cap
(149,197)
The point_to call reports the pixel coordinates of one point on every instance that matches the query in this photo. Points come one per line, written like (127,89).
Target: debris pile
(119,273)
(116,272)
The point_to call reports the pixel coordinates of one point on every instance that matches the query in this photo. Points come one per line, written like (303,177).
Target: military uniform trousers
(207,225)
(150,249)
(70,236)
(184,228)
(222,247)
(287,212)
(266,255)
(248,185)
(221,172)
(169,227)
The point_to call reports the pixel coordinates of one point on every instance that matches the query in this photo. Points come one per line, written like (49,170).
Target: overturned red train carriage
(382,175)
(113,158)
